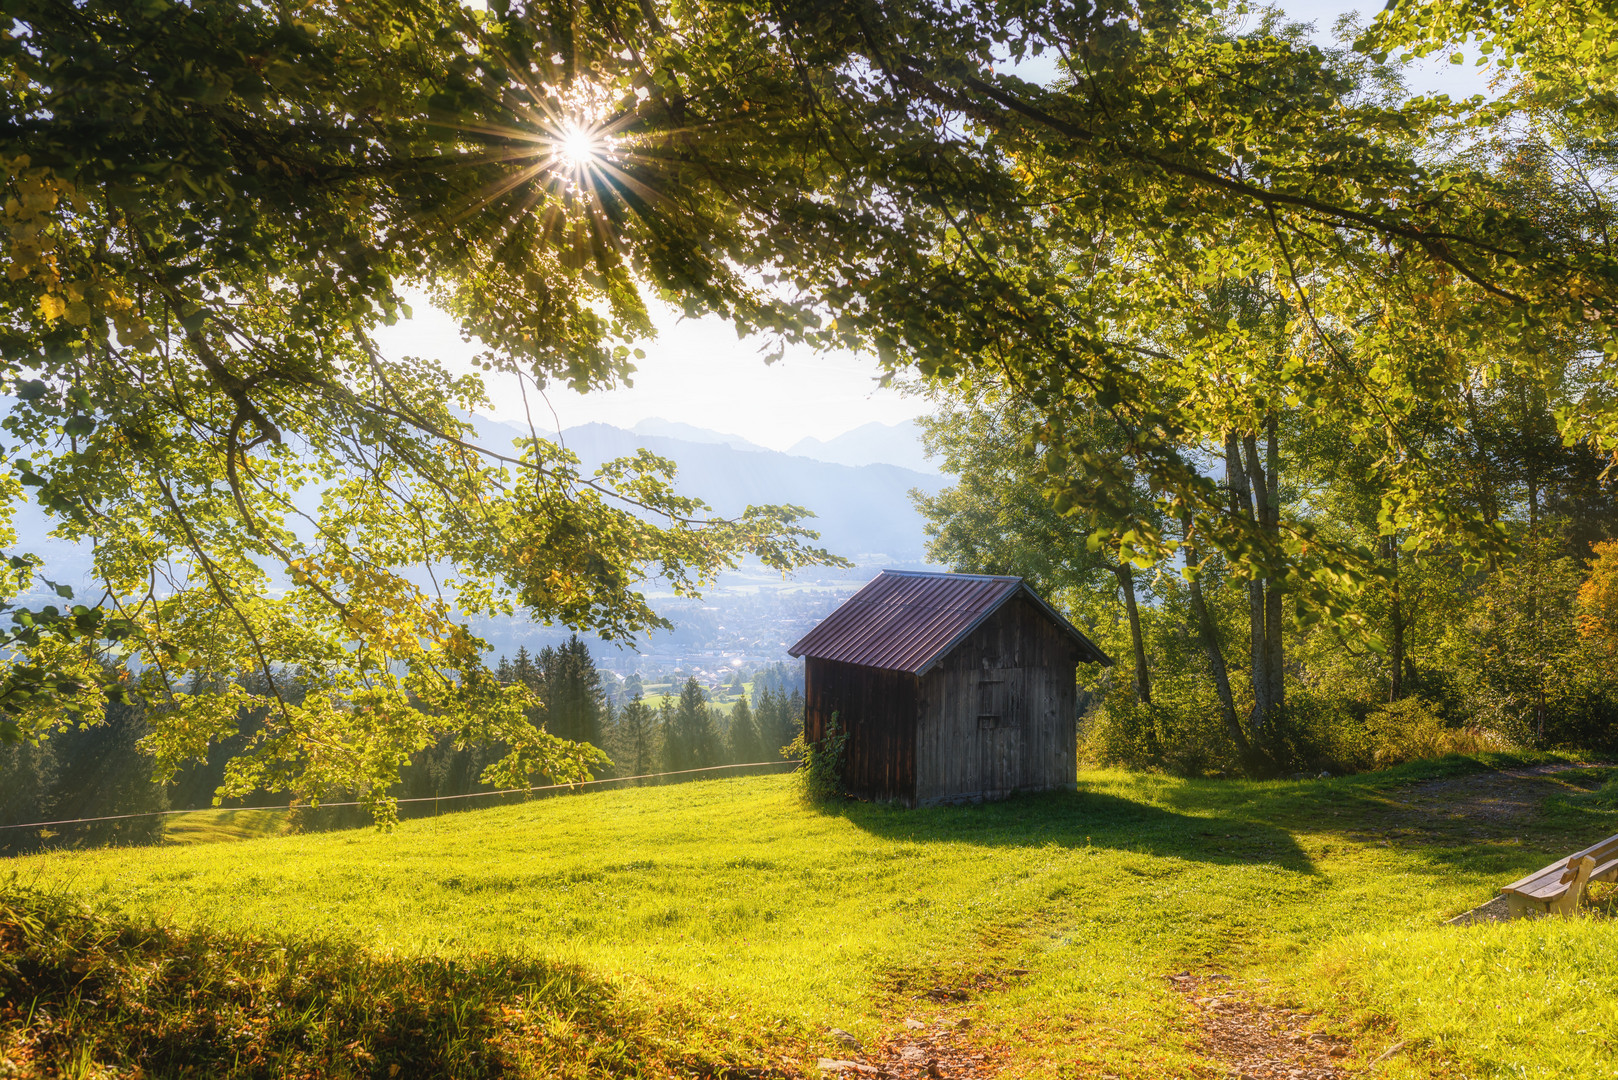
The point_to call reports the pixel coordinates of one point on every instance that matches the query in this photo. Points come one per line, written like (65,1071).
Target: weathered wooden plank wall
(877,708)
(998,714)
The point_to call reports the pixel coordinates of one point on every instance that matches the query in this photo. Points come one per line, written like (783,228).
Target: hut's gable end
(876,709)
(996,714)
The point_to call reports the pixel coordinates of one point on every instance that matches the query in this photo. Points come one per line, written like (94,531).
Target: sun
(577,147)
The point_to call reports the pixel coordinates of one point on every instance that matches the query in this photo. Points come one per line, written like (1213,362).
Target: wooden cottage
(951,687)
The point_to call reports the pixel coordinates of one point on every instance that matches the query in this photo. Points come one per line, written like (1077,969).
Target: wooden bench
(1559,888)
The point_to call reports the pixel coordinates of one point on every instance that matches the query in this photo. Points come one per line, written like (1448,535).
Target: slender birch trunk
(1255,495)
(1274,587)
(1143,678)
(1239,477)
(1209,633)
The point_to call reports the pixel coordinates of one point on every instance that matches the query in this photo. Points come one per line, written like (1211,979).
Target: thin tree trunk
(1396,650)
(1143,677)
(1533,595)
(1210,642)
(1274,586)
(1239,475)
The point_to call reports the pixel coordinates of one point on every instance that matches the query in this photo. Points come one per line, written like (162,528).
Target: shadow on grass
(154,1000)
(1086,818)
(1455,814)
(1247,821)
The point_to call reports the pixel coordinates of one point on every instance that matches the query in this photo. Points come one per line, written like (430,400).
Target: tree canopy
(209,211)
(1202,221)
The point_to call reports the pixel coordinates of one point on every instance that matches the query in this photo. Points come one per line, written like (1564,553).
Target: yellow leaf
(51,307)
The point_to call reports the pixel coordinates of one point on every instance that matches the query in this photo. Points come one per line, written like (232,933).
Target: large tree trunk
(1143,677)
(1255,495)
(1209,633)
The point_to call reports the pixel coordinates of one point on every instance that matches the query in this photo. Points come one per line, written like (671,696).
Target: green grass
(84,994)
(1050,921)
(217,826)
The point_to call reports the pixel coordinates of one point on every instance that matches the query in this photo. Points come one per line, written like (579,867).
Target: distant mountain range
(869,444)
(890,444)
(863,511)
(673,429)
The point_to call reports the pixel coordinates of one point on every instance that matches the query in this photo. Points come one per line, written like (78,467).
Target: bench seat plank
(1541,883)
(1547,883)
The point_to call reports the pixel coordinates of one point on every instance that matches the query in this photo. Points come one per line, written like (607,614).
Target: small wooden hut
(951,687)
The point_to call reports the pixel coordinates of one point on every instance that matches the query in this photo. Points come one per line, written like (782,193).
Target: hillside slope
(1041,931)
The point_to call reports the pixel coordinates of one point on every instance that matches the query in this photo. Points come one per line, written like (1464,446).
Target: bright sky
(699,373)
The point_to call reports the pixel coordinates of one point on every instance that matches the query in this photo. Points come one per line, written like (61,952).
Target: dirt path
(1257,1042)
(1250,1040)
(1490,805)
(941,1050)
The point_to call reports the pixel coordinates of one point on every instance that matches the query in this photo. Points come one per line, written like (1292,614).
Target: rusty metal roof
(908,620)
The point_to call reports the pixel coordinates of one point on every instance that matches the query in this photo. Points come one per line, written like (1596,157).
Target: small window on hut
(991,703)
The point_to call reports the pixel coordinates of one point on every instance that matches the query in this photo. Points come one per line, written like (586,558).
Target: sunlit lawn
(216,826)
(1052,921)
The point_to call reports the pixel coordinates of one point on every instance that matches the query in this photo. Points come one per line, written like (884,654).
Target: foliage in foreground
(83,991)
(212,210)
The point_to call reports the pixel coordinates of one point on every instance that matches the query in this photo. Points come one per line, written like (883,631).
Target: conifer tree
(102,772)
(523,670)
(676,752)
(695,736)
(608,735)
(746,745)
(792,717)
(766,715)
(571,690)
(637,745)
(27,771)
(713,743)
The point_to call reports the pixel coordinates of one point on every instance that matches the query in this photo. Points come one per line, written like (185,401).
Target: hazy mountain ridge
(674,429)
(863,512)
(891,444)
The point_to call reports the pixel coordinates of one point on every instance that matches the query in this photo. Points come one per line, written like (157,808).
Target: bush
(1313,732)
(1180,732)
(821,771)
(1411,729)
(1183,734)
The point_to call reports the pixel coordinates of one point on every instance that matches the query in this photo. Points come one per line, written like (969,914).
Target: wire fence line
(418,799)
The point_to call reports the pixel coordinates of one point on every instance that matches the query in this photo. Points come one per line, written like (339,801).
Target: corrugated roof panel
(903,620)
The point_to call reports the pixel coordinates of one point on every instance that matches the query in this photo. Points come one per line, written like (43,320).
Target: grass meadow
(730,915)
